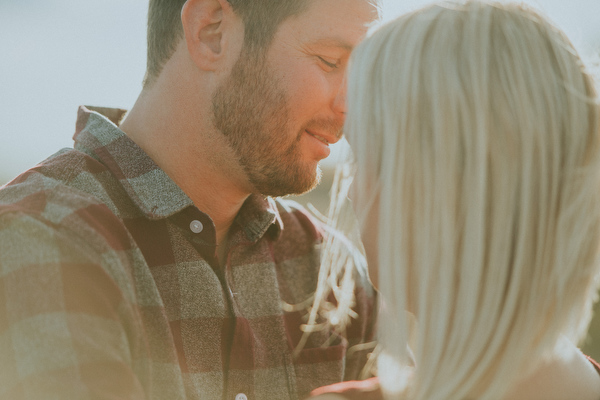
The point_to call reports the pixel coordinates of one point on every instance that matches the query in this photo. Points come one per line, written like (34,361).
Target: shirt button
(241,396)
(196,226)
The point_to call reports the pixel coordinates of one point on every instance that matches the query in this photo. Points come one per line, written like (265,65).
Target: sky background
(58,54)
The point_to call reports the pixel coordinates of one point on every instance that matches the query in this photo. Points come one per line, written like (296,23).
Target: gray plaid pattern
(105,292)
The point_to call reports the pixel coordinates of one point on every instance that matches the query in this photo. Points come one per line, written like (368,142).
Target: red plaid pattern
(106,291)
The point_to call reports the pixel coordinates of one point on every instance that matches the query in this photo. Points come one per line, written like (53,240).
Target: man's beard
(251,111)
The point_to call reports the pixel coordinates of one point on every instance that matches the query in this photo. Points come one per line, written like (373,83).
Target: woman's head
(474,128)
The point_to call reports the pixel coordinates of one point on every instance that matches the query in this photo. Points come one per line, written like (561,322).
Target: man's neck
(182,141)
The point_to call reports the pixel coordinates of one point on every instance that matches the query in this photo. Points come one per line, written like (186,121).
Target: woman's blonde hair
(474,127)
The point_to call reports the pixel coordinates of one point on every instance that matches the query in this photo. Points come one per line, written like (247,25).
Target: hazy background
(58,54)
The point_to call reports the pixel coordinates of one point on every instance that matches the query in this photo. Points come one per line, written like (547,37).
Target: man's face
(281,110)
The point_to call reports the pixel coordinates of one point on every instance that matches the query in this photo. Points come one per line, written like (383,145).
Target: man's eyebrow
(334,42)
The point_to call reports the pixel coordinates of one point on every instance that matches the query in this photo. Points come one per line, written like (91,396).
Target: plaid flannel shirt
(110,288)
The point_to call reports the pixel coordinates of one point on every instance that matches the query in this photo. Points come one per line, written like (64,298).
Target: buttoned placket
(200,231)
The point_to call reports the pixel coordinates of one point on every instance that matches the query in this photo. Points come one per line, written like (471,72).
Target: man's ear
(211,31)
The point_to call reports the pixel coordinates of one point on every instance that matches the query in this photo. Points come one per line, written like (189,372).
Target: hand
(365,390)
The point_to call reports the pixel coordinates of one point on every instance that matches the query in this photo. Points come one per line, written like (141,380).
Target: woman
(475,132)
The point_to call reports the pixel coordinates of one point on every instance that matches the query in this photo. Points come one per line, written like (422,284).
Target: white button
(196,226)
(241,396)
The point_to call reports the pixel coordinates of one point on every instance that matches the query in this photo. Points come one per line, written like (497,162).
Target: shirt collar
(259,215)
(155,194)
(149,187)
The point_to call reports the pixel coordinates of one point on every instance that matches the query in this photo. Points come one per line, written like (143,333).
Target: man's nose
(339,102)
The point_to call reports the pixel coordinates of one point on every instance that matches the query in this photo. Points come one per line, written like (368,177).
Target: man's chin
(294,185)
(313,183)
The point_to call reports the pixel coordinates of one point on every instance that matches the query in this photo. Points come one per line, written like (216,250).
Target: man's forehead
(335,23)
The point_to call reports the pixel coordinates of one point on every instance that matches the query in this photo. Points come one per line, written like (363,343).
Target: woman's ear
(212,32)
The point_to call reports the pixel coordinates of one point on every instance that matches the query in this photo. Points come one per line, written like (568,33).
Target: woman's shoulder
(569,375)
(594,364)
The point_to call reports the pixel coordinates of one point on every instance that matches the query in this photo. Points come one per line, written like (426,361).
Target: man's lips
(326,139)
(319,146)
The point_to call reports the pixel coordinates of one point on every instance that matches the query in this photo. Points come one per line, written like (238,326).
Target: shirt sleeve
(67,327)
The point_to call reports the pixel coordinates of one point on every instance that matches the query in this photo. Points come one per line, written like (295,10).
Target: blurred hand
(328,396)
(364,390)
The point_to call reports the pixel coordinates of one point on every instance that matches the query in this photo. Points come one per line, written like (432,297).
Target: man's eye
(327,63)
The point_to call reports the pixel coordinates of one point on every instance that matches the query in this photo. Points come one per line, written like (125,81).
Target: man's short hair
(261,19)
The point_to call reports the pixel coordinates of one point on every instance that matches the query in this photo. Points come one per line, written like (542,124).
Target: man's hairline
(263,49)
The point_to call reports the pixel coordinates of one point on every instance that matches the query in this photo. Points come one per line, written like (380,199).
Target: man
(147,262)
